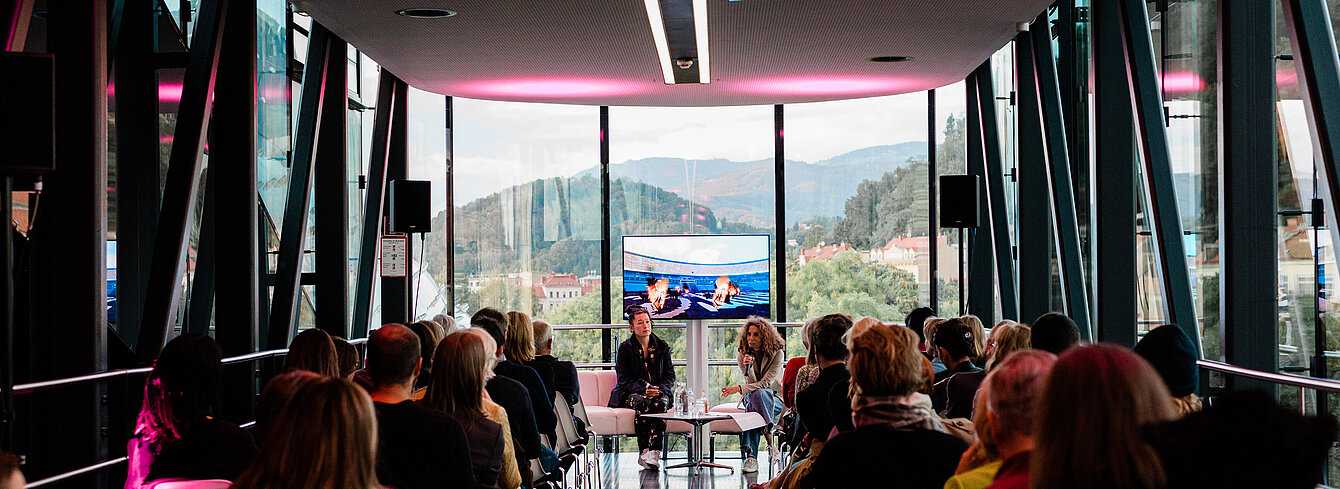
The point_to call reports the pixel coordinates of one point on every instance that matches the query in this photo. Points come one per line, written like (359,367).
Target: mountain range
(742,191)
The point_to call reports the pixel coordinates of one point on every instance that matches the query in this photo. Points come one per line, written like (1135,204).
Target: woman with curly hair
(760,354)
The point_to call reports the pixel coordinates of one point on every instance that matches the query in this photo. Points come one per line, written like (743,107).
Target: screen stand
(695,342)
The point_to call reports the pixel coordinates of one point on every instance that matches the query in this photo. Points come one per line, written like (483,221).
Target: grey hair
(543,333)
(448,323)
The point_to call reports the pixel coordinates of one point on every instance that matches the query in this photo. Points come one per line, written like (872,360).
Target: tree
(845,284)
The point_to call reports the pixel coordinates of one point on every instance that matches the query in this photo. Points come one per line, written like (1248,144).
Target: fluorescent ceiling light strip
(658,35)
(700,34)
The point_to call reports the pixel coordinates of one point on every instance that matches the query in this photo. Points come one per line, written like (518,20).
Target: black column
(933,204)
(332,198)
(606,281)
(372,203)
(1033,213)
(981,287)
(68,252)
(1114,200)
(1248,163)
(137,165)
(237,284)
(396,290)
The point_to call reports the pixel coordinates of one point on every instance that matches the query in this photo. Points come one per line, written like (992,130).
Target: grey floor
(621,471)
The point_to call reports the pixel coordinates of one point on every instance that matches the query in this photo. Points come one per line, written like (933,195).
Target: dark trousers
(649,430)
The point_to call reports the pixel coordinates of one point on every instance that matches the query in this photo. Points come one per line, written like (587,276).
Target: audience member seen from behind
(1173,355)
(839,397)
(759,353)
(916,321)
(1054,332)
(347,357)
(277,393)
(562,374)
(932,352)
(644,382)
(541,418)
(10,475)
(312,350)
(325,438)
(457,388)
(417,447)
(959,390)
(1090,419)
(520,349)
(1013,393)
(978,355)
(428,339)
(1244,440)
(446,324)
(831,352)
(897,437)
(176,435)
(978,465)
(954,344)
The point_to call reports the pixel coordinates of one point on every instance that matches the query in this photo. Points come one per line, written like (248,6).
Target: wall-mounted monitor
(698,276)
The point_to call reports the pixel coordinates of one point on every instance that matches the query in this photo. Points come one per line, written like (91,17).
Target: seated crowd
(931,403)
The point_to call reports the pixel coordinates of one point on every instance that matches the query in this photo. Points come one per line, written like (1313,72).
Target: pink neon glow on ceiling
(549,87)
(830,85)
(1183,81)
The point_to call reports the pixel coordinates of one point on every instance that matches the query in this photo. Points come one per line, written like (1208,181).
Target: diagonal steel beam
(372,203)
(17,16)
(183,180)
(980,279)
(997,219)
(284,305)
(1065,223)
(1147,109)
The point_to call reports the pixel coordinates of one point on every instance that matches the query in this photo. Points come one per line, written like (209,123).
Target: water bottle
(681,399)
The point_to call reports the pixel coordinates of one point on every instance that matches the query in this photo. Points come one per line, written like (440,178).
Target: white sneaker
(750,465)
(652,459)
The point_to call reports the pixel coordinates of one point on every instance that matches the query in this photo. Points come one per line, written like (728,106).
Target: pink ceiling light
(549,88)
(834,85)
(1183,81)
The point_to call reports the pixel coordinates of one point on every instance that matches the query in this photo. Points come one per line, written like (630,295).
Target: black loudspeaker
(958,201)
(410,206)
(28,135)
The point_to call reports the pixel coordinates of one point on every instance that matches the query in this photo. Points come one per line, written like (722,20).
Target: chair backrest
(567,430)
(579,410)
(190,484)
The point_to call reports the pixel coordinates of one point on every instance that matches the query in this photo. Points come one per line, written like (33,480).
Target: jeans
(766,404)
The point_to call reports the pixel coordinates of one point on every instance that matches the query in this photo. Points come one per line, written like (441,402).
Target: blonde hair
(1007,339)
(978,336)
(771,341)
(1089,420)
(884,360)
(519,346)
(325,437)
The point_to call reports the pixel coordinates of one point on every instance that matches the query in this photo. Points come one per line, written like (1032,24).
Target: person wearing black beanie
(1173,355)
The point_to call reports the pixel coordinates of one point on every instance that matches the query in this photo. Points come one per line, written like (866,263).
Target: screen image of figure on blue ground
(697,276)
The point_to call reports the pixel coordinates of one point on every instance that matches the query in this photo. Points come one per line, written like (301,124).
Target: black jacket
(512,396)
(421,448)
(562,377)
(633,378)
(545,419)
(814,403)
(880,456)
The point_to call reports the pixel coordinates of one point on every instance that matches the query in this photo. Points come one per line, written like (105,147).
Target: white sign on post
(395,256)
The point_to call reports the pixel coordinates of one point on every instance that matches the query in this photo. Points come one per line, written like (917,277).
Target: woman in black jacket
(645,381)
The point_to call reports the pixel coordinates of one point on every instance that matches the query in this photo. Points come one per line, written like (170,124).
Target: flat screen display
(697,276)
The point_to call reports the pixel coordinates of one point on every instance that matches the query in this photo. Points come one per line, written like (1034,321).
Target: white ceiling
(600,52)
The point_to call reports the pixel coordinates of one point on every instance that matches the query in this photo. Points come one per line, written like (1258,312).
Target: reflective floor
(621,471)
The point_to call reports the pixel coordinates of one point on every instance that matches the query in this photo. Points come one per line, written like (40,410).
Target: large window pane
(527,210)
(690,171)
(951,110)
(858,207)
(427,153)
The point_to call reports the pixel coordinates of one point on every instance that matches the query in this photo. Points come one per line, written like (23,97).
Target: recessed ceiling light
(889,59)
(426,13)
